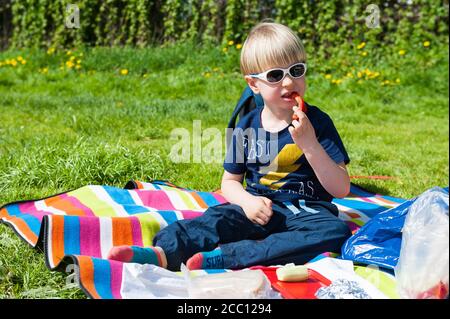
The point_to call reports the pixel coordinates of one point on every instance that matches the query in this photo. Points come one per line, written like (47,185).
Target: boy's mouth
(289,95)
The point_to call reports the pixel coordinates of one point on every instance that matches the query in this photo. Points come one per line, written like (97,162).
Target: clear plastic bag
(242,284)
(422,271)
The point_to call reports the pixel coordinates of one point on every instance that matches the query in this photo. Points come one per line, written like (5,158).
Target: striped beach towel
(76,229)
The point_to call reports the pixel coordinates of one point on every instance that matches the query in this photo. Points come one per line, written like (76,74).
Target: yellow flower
(231,42)
(364,53)
(338,81)
(69,64)
(207,74)
(361,45)
(216,69)
(328,76)
(78,61)
(78,67)
(23,61)
(386,82)
(359,74)
(43,70)
(402,52)
(225,50)
(13,62)
(145,75)
(238,46)
(50,51)
(69,52)
(349,75)
(19,58)
(426,44)
(124,71)
(376,74)
(397,80)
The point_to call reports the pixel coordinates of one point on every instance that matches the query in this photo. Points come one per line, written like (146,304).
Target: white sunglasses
(276,75)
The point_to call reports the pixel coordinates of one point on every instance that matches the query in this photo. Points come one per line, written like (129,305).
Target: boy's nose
(287,81)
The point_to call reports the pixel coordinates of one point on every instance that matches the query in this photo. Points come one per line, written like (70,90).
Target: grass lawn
(111,120)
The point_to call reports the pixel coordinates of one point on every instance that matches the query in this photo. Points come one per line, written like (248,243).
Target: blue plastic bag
(379,241)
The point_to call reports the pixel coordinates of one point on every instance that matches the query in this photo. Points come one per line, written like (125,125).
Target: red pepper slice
(300,103)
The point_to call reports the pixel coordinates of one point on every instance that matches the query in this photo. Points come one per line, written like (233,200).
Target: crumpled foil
(342,289)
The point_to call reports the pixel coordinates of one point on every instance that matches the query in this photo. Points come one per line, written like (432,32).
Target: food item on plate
(292,273)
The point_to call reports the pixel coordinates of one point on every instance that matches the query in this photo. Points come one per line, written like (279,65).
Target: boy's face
(278,95)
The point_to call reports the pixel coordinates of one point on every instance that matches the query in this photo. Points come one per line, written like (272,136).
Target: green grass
(65,129)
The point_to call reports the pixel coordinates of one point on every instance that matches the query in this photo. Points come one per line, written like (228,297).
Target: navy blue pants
(296,233)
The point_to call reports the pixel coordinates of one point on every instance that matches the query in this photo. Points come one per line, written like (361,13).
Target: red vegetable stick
(300,103)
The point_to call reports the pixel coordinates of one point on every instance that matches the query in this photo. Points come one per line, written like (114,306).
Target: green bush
(325,26)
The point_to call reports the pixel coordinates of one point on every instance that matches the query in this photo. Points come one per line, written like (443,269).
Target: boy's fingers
(267,211)
(295,124)
(259,221)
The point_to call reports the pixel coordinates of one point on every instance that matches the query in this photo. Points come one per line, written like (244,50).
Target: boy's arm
(233,190)
(333,177)
(257,208)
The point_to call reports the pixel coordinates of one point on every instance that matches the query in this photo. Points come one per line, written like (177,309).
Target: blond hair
(268,45)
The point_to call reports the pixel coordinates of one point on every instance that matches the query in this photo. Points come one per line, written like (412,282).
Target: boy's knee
(341,230)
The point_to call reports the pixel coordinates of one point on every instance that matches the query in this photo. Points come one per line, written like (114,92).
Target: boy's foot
(141,255)
(206,260)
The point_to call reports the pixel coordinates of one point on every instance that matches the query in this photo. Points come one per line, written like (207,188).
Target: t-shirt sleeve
(234,162)
(332,143)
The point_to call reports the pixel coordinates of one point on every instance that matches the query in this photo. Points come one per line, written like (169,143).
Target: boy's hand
(258,209)
(302,131)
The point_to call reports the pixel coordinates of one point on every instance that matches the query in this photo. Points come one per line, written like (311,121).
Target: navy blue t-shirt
(274,166)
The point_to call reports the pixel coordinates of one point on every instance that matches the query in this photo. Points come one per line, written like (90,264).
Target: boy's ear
(252,84)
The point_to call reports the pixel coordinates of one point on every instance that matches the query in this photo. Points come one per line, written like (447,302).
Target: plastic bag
(378,242)
(241,284)
(422,270)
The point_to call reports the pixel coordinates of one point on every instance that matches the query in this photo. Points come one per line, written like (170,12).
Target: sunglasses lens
(297,70)
(275,75)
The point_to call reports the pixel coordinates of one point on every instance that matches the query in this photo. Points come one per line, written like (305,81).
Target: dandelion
(397,80)
(349,75)
(225,50)
(124,72)
(328,76)
(402,52)
(207,74)
(386,82)
(50,51)
(359,74)
(78,61)
(145,75)
(238,46)
(361,45)
(70,64)
(13,62)
(23,62)
(69,52)
(231,42)
(43,70)
(216,69)
(426,44)
(364,53)
(19,58)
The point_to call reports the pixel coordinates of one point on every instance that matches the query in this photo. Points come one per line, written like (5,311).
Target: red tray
(296,290)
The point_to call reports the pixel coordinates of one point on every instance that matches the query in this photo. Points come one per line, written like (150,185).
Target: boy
(292,171)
